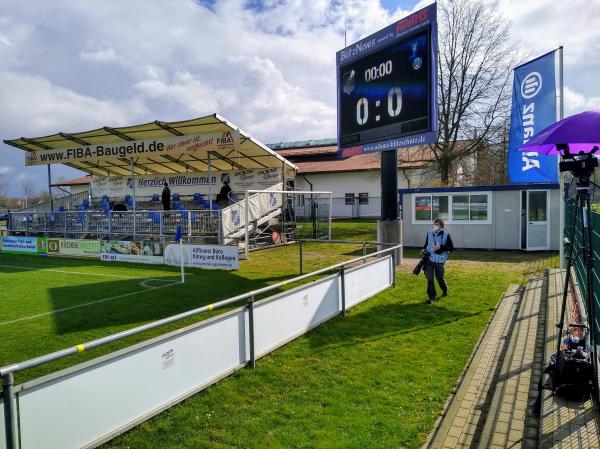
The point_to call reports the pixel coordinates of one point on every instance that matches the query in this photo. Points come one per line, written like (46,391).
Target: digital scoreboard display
(386,88)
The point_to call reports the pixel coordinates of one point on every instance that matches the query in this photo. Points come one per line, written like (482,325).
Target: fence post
(252,363)
(364,251)
(189,220)
(300,241)
(10,411)
(246,234)
(134,213)
(220,227)
(27,224)
(65,220)
(394,268)
(161,217)
(343,288)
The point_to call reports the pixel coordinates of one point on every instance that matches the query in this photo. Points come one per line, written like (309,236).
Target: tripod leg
(570,260)
(590,289)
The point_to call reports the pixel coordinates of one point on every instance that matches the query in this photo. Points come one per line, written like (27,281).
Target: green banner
(72,247)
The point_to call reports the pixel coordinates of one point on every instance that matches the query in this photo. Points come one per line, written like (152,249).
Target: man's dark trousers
(430,269)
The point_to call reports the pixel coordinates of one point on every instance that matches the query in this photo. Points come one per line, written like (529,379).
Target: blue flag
(533,109)
(179,233)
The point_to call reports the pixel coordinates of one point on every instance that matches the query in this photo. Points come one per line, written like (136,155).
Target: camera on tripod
(572,369)
(580,165)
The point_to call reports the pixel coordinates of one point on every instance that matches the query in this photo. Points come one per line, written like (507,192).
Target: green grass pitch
(377,378)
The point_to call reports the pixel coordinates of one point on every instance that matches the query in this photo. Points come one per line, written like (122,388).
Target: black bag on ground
(571,372)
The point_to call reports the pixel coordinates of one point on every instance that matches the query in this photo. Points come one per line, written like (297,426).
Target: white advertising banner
(173,146)
(116,257)
(139,251)
(187,183)
(221,257)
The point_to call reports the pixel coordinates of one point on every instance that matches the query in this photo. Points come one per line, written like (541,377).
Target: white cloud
(5,40)
(33,106)
(270,70)
(108,55)
(577,102)
(5,169)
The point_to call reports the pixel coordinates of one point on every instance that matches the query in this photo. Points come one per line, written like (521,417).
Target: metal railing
(7,372)
(79,224)
(67,202)
(573,225)
(397,254)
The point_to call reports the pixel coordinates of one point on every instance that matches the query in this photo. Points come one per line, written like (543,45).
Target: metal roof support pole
(209,182)
(50,189)
(330,215)
(283,236)
(246,224)
(133,193)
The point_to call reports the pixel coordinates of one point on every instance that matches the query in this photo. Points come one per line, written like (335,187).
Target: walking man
(438,245)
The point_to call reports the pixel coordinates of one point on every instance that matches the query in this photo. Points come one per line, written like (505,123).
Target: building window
(423,208)
(349,199)
(439,207)
(478,207)
(460,208)
(363,198)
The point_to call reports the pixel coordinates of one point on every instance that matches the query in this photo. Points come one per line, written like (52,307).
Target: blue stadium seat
(155,197)
(176,197)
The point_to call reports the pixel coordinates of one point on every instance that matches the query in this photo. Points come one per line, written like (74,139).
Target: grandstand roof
(187,145)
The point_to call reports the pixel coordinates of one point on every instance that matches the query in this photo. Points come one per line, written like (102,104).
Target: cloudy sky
(266,65)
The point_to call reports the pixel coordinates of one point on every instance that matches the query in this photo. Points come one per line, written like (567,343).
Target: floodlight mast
(582,167)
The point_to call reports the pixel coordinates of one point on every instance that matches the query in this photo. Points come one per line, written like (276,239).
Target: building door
(538,224)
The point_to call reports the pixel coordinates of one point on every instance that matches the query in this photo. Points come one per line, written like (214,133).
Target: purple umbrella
(581,132)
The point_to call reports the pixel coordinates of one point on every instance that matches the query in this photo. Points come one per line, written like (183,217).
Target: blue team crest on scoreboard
(417,61)
(349,82)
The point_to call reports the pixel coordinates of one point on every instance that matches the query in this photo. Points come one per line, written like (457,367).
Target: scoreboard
(386,86)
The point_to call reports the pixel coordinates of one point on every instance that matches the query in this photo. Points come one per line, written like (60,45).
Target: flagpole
(561,115)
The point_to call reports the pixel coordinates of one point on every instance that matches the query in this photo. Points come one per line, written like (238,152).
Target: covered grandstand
(129,166)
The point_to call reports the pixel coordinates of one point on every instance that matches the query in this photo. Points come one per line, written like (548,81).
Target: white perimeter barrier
(88,404)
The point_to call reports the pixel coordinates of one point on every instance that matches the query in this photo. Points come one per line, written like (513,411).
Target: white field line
(65,309)
(70,272)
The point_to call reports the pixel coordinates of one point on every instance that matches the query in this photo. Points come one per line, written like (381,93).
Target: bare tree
(27,187)
(3,184)
(475,62)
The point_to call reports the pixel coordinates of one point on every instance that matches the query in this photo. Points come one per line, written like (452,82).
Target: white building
(354,181)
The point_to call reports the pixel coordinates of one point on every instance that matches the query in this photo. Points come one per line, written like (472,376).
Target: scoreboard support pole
(389,227)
